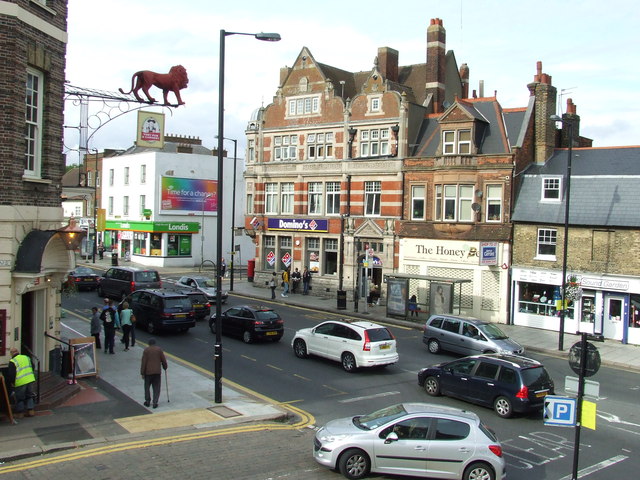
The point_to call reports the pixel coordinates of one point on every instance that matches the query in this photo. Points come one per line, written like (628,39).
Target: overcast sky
(590,48)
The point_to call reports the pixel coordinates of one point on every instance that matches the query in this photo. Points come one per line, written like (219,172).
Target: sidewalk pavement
(109,407)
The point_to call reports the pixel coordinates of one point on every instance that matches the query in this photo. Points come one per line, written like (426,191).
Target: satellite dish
(446,104)
(475,207)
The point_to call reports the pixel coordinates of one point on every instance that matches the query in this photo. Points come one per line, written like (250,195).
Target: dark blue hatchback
(506,383)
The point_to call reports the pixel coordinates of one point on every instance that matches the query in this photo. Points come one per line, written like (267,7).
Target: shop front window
(313,255)
(140,243)
(179,245)
(634,313)
(330,256)
(269,252)
(156,245)
(542,299)
(284,255)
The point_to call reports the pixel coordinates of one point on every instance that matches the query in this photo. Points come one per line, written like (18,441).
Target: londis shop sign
(155,227)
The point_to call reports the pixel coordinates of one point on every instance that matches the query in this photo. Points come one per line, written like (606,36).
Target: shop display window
(542,299)
(634,312)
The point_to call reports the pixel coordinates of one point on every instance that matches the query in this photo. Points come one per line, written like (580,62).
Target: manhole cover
(225,412)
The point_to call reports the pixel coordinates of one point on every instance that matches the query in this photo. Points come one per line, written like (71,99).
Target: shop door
(614,316)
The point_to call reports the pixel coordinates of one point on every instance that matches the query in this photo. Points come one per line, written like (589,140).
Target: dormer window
(304,106)
(456,142)
(551,189)
(375,104)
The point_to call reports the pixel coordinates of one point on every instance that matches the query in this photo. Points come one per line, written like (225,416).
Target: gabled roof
(491,133)
(604,188)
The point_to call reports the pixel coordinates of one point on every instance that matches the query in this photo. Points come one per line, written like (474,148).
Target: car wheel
(300,348)
(100,291)
(479,471)
(247,337)
(502,406)
(212,327)
(354,464)
(151,328)
(349,362)
(432,386)
(433,346)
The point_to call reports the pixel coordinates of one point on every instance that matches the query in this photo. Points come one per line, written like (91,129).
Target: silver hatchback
(467,336)
(417,439)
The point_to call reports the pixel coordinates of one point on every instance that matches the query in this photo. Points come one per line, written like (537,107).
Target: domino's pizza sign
(560,411)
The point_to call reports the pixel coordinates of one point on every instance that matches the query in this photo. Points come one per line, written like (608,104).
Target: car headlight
(328,438)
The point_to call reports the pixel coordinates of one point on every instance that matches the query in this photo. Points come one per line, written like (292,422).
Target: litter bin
(114,259)
(342,300)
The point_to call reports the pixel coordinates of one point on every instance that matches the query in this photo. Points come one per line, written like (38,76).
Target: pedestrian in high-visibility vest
(21,376)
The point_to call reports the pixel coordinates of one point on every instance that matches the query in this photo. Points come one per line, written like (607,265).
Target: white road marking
(598,466)
(368,397)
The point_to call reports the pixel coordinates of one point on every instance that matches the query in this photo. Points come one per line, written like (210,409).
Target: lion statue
(173,81)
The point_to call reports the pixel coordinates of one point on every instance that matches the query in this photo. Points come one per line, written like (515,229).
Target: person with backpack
(110,322)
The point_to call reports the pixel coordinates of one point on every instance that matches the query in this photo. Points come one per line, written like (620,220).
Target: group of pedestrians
(110,319)
(290,282)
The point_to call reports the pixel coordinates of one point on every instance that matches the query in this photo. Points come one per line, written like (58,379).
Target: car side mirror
(392,437)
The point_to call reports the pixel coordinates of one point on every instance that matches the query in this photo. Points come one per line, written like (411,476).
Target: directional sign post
(560,411)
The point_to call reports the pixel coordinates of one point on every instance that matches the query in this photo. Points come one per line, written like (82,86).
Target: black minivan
(119,282)
(162,310)
(508,383)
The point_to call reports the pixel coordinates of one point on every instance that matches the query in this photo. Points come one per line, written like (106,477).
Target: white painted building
(161,206)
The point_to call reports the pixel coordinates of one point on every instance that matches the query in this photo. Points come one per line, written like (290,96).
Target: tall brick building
(33,255)
(325,163)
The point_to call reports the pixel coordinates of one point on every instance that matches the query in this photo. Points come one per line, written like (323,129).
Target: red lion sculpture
(173,81)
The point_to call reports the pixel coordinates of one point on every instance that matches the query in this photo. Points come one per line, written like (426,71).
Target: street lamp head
(268,37)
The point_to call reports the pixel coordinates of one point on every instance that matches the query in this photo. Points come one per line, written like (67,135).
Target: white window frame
(125,206)
(307,105)
(372,198)
(126,175)
(453,144)
(34,123)
(142,203)
(333,198)
(110,206)
(112,176)
(418,195)
(143,173)
(287,197)
(314,198)
(550,185)
(494,198)
(374,142)
(375,104)
(545,237)
(452,202)
(465,200)
(271,198)
(249,205)
(320,146)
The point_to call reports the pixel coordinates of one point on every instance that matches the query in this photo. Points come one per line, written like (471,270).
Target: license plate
(271,333)
(180,315)
(197,305)
(88,279)
(541,394)
(386,346)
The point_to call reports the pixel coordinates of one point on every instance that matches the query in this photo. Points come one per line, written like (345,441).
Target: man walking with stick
(153,361)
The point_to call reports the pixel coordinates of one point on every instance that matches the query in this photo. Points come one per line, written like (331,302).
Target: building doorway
(615,314)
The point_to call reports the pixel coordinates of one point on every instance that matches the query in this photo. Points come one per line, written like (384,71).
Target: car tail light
(523,392)
(133,287)
(160,282)
(166,315)
(77,279)
(280,322)
(258,322)
(367,343)
(496,450)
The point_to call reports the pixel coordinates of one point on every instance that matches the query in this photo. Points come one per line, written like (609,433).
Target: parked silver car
(417,439)
(467,336)
(203,284)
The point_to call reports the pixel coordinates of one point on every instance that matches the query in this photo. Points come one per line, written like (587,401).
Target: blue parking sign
(560,411)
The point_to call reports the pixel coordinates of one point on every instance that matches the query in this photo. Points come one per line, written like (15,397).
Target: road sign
(591,388)
(560,411)
(593,359)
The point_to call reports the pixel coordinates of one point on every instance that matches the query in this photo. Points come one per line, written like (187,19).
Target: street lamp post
(268,37)
(563,309)
(204,201)
(233,211)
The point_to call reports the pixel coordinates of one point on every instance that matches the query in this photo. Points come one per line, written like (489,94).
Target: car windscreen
(177,304)
(379,334)
(491,331)
(147,276)
(535,376)
(380,417)
(83,271)
(266,315)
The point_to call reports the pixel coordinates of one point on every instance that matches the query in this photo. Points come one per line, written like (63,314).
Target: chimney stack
(545,105)
(388,63)
(464,78)
(436,52)
(574,118)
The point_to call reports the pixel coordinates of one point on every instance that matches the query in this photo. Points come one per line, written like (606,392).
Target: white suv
(354,344)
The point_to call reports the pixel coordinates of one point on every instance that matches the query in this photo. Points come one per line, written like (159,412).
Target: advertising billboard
(182,196)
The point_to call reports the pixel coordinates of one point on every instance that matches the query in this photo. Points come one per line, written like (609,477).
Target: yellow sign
(588,415)
(150,129)
(101,218)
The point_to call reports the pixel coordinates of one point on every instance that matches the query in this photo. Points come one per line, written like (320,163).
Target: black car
(200,302)
(119,282)
(250,322)
(162,310)
(84,278)
(507,383)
